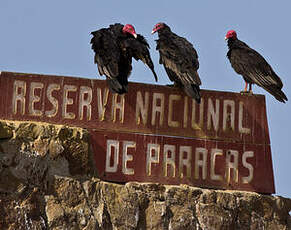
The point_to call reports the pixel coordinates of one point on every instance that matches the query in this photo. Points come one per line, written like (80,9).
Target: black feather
(114,51)
(193,91)
(180,60)
(116,86)
(254,68)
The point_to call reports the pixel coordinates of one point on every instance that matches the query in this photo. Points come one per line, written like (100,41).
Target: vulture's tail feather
(193,91)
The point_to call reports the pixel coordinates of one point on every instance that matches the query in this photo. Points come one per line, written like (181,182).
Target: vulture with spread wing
(114,49)
(253,67)
(180,60)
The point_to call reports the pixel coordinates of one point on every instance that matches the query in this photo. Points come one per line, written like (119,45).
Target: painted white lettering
(169,160)
(242,129)
(127,157)
(228,117)
(102,102)
(158,108)
(153,156)
(34,98)
(213,114)
(171,122)
(231,165)
(194,123)
(85,90)
(118,106)
(201,163)
(185,162)
(53,112)
(68,101)
(214,154)
(19,96)
(247,165)
(142,108)
(112,145)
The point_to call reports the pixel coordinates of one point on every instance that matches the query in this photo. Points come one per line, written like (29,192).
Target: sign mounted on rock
(154,133)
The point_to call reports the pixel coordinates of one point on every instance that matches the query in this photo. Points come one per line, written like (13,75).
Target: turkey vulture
(180,60)
(253,67)
(114,48)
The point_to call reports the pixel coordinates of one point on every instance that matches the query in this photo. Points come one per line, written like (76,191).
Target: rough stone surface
(47,181)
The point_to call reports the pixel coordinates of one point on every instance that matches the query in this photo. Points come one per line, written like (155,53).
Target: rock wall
(48,181)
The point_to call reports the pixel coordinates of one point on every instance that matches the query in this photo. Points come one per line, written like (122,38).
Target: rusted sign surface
(157,114)
(145,109)
(171,160)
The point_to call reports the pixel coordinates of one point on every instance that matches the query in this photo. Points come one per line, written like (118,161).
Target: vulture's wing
(139,49)
(253,67)
(180,60)
(107,53)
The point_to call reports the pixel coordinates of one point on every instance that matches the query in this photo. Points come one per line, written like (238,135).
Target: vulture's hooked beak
(225,38)
(135,35)
(153,31)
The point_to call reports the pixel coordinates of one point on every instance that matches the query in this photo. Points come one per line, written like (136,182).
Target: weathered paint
(159,115)
(145,109)
(126,157)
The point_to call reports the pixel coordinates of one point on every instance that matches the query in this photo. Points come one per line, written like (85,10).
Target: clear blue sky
(52,37)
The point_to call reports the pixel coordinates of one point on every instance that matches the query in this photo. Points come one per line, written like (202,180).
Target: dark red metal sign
(172,160)
(230,120)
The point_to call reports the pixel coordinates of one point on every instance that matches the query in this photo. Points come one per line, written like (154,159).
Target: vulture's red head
(129,29)
(158,26)
(230,34)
